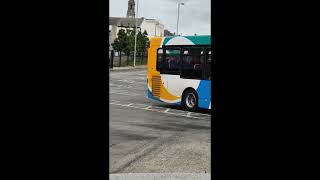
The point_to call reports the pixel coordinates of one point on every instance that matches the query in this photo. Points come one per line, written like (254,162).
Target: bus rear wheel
(190,100)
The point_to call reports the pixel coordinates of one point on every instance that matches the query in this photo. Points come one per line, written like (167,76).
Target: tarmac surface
(149,137)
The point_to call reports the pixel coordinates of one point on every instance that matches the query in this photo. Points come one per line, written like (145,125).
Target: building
(152,26)
(117,23)
(168,33)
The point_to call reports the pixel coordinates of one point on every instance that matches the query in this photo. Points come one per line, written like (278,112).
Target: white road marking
(119,85)
(147,108)
(113,101)
(141,78)
(141,106)
(124,93)
(159,109)
(131,82)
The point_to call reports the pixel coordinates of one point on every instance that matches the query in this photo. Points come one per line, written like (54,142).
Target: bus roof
(187,40)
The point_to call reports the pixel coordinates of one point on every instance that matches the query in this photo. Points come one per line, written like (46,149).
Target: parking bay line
(124,93)
(157,109)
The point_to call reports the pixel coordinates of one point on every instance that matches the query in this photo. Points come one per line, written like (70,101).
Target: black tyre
(190,100)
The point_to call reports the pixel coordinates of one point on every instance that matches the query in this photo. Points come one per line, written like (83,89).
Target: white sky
(195,15)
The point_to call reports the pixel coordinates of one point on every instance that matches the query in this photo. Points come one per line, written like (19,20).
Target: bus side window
(160,61)
(208,64)
(192,63)
(172,61)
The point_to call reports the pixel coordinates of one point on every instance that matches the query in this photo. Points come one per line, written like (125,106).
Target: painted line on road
(140,78)
(131,82)
(124,93)
(128,89)
(113,101)
(141,106)
(119,85)
(147,108)
(160,110)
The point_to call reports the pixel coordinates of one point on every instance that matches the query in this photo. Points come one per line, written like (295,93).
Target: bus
(179,71)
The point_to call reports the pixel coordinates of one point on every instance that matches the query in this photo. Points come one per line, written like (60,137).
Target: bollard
(120,59)
(128,57)
(112,56)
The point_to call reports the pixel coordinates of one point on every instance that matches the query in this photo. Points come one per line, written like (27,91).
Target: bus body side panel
(177,85)
(204,94)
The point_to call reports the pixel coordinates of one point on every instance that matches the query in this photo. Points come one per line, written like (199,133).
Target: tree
(168,33)
(125,42)
(131,37)
(121,42)
(143,43)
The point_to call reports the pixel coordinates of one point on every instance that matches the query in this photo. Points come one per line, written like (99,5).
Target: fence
(122,60)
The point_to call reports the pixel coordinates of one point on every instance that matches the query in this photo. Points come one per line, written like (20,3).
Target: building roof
(120,21)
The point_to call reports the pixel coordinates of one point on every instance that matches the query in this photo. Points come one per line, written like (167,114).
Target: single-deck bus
(179,71)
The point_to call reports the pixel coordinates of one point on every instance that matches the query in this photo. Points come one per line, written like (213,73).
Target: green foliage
(131,36)
(126,40)
(143,41)
(121,42)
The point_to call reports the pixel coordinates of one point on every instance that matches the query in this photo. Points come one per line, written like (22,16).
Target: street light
(135,37)
(178,18)
(155,28)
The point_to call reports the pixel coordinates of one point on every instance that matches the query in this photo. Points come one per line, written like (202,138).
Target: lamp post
(178,18)
(155,28)
(135,37)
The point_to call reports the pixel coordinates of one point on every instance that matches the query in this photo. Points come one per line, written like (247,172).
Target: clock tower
(131,7)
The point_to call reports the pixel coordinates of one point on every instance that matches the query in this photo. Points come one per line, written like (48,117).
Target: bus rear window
(159,59)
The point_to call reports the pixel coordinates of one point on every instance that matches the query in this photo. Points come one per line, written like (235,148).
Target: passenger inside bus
(196,56)
(198,60)
(187,61)
(173,63)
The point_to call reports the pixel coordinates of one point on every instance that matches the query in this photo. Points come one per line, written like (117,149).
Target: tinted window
(172,59)
(208,64)
(160,61)
(207,69)
(192,62)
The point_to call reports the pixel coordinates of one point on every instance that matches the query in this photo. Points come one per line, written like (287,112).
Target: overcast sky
(195,15)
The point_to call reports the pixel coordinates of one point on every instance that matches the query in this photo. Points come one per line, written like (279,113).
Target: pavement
(162,176)
(152,139)
(128,68)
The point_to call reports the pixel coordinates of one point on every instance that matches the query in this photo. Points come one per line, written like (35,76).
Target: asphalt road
(150,137)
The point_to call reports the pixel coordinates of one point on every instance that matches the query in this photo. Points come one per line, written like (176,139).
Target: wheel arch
(189,88)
